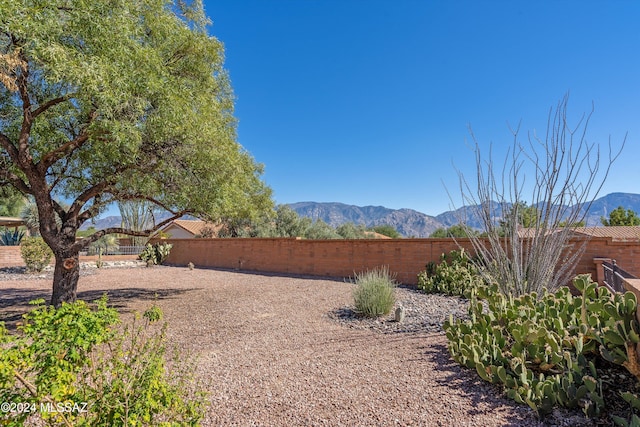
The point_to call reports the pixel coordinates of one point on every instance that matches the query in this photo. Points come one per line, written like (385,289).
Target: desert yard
(270,353)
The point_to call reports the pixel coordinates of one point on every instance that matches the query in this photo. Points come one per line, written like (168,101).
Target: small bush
(374,292)
(35,253)
(112,376)
(455,275)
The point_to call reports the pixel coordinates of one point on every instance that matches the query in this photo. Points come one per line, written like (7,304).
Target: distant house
(188,228)
(626,233)
(619,233)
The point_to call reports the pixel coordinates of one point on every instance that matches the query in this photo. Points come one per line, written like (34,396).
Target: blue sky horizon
(370,103)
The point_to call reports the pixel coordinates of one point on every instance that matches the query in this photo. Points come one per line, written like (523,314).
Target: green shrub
(374,292)
(155,254)
(35,253)
(544,349)
(77,356)
(455,275)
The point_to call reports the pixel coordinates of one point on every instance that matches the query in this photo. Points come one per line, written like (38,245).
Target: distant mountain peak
(411,223)
(408,222)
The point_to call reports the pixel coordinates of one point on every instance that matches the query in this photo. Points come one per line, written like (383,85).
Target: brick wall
(341,258)
(335,258)
(626,254)
(10,256)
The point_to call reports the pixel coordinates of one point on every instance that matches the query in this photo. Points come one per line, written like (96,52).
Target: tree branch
(44,107)
(24,157)
(67,148)
(83,243)
(8,145)
(87,195)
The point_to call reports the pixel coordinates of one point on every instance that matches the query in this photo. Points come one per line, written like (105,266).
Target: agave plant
(11,238)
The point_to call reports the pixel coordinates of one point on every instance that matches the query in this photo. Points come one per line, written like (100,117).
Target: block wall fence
(341,258)
(10,256)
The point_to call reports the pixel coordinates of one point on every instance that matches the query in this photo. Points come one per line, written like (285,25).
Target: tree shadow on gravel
(15,301)
(484,396)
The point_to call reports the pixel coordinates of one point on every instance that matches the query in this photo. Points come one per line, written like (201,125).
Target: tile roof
(193,226)
(615,232)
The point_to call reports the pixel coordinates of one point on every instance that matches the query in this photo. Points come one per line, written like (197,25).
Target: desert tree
(11,202)
(288,223)
(387,230)
(458,230)
(620,216)
(564,173)
(106,101)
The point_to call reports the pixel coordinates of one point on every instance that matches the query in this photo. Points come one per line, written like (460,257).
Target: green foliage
(77,355)
(285,222)
(11,201)
(543,349)
(620,216)
(455,275)
(525,216)
(207,232)
(320,230)
(349,230)
(36,254)
(288,223)
(96,116)
(29,214)
(387,230)
(155,254)
(106,243)
(565,224)
(374,292)
(458,230)
(11,238)
(634,403)
(88,232)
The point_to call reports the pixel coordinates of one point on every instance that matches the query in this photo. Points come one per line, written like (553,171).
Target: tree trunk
(65,278)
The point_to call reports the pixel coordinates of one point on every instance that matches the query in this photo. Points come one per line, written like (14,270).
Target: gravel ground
(288,351)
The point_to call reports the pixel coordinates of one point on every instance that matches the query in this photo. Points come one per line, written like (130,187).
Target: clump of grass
(374,292)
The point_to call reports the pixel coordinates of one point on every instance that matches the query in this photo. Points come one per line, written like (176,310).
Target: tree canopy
(458,230)
(387,230)
(107,101)
(620,216)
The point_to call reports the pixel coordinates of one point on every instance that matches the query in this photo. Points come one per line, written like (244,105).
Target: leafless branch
(568,173)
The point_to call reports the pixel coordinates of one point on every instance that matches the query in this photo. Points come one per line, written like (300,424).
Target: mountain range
(411,223)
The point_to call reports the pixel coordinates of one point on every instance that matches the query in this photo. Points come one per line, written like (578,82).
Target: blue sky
(370,102)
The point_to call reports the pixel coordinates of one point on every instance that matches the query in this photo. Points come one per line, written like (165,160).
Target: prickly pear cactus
(455,275)
(542,348)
